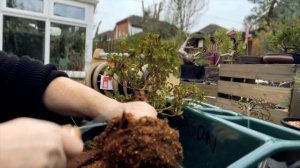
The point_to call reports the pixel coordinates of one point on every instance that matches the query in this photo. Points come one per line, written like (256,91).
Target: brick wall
(121,30)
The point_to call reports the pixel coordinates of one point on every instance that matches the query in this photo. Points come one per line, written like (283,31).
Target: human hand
(137,108)
(26,142)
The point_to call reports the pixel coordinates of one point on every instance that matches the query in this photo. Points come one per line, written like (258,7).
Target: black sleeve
(22,84)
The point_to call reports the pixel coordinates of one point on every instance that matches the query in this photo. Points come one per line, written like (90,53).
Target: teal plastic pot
(213,140)
(210,141)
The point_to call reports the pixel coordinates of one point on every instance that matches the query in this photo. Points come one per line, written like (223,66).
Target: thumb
(72,142)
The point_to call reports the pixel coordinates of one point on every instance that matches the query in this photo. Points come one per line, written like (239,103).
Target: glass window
(67,46)
(200,43)
(24,37)
(30,5)
(68,11)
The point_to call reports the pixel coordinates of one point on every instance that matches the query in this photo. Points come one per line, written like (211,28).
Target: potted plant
(146,142)
(287,41)
(224,46)
(194,62)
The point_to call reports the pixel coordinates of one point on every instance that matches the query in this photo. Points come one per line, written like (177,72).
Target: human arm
(68,97)
(22,84)
(34,87)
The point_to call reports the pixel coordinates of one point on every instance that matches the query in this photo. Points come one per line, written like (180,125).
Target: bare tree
(185,13)
(153,11)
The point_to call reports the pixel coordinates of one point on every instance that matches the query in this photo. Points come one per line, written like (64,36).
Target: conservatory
(52,31)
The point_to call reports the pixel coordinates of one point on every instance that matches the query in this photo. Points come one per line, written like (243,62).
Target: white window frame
(25,12)
(70,3)
(49,17)
(200,43)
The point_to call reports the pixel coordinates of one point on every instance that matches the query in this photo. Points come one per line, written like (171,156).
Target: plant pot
(191,72)
(211,74)
(208,140)
(296,57)
(215,58)
(278,59)
(286,123)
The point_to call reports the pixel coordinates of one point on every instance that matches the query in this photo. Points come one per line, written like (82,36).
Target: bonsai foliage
(192,55)
(145,69)
(287,39)
(224,44)
(222,41)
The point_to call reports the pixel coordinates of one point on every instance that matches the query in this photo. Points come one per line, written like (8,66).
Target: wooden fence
(108,46)
(210,91)
(265,91)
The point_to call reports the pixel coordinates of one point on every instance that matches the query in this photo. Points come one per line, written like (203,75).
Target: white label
(106,83)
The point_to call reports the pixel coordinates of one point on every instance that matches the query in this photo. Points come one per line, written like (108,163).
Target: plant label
(106,83)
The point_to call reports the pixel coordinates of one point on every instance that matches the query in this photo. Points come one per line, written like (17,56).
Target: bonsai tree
(195,57)
(145,70)
(221,44)
(287,39)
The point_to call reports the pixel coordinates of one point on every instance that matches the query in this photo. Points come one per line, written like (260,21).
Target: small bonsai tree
(221,44)
(145,70)
(196,56)
(287,39)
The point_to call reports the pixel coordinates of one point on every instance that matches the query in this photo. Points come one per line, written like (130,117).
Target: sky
(226,13)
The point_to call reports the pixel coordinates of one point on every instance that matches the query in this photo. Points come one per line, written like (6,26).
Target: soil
(130,143)
(294,123)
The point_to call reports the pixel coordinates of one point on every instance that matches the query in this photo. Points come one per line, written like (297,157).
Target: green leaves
(145,70)
(287,39)
(279,18)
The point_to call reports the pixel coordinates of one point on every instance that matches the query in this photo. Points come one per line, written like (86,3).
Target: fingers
(32,143)
(73,130)
(72,142)
(140,109)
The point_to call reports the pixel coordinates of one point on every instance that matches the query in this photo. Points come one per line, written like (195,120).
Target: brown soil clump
(131,143)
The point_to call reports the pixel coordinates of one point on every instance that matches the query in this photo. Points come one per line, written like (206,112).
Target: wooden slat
(295,103)
(270,94)
(272,72)
(210,100)
(209,90)
(276,115)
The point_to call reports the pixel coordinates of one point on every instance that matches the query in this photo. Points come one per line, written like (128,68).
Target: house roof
(210,29)
(164,28)
(207,30)
(108,34)
(134,20)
